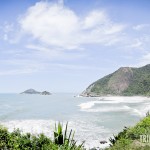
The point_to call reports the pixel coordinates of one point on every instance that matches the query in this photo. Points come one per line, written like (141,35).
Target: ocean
(92,119)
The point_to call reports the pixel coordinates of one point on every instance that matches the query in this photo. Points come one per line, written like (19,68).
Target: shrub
(19,141)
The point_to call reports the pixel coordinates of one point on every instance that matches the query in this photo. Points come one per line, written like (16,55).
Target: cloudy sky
(64,45)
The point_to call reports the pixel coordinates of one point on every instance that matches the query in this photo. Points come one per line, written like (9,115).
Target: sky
(65,45)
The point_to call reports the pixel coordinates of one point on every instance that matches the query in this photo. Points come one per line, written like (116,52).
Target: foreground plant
(64,141)
(16,140)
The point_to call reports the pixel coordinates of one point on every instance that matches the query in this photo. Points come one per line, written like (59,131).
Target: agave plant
(58,135)
(64,141)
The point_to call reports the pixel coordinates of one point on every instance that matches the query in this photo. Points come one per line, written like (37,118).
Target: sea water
(92,119)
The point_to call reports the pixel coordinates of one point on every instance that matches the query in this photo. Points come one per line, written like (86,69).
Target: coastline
(114,96)
(99,109)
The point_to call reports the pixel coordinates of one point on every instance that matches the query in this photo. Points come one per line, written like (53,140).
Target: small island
(45,93)
(32,91)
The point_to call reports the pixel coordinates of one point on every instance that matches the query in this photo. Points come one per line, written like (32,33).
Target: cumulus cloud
(95,18)
(56,25)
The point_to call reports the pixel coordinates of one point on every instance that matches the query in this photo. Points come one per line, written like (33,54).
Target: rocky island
(126,81)
(45,93)
(32,91)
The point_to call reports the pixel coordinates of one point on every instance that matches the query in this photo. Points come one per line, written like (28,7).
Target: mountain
(126,81)
(30,91)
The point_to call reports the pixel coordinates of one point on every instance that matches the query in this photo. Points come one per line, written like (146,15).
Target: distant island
(32,91)
(126,81)
(45,93)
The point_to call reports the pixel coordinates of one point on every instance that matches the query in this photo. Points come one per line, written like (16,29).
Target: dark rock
(103,142)
(45,93)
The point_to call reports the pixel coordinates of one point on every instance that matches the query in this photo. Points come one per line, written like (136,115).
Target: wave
(140,110)
(113,100)
(90,132)
(88,105)
(108,109)
(33,126)
(124,99)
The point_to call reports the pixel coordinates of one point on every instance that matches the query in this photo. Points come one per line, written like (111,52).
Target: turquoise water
(93,119)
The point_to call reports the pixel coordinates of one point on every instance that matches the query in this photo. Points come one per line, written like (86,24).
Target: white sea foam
(88,105)
(84,131)
(113,100)
(124,99)
(32,126)
(142,110)
(108,109)
(143,107)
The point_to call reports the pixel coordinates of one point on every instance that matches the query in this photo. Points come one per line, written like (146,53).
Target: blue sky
(65,45)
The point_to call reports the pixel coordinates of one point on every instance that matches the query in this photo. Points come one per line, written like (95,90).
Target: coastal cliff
(126,81)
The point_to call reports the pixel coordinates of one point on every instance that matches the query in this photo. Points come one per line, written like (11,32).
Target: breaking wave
(83,130)
(110,104)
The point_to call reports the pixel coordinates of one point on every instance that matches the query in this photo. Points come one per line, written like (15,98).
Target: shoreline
(105,96)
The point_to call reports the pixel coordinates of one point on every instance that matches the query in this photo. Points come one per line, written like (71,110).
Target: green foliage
(137,81)
(58,135)
(16,140)
(129,138)
(100,87)
(120,135)
(140,84)
(66,142)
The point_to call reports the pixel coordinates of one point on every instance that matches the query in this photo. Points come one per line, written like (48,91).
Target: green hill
(125,81)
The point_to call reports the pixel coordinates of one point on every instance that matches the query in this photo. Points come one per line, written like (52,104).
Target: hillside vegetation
(133,138)
(125,81)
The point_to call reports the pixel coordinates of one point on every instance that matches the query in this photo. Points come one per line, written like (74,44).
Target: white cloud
(17,71)
(10,32)
(115,29)
(5,29)
(137,43)
(51,24)
(95,18)
(5,37)
(74,67)
(145,59)
(8,27)
(141,27)
(37,48)
(56,25)
(142,61)
(20,66)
